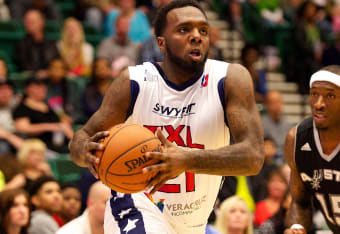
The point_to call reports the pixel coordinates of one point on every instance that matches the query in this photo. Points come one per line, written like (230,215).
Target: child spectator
(47,200)
(71,203)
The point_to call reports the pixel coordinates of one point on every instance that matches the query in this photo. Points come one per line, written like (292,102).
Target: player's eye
(313,94)
(183,29)
(330,96)
(204,31)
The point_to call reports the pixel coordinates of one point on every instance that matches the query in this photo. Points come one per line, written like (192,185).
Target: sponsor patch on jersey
(204,81)
(174,112)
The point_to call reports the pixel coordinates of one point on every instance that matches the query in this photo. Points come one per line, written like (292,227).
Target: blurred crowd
(57,59)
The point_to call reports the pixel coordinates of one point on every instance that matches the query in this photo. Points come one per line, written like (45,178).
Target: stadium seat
(64,169)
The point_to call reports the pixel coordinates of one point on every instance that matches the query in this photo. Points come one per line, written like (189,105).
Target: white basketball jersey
(190,115)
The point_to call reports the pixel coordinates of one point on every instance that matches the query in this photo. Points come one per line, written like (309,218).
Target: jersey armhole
(221,93)
(134,91)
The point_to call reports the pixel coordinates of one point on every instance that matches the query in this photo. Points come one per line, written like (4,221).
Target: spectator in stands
(71,203)
(48,8)
(13,176)
(63,94)
(256,182)
(4,11)
(32,157)
(214,51)
(9,141)
(150,52)
(233,16)
(275,125)
(119,45)
(92,220)
(34,52)
(277,187)
(306,47)
(3,70)
(234,217)
(14,211)
(156,5)
(47,199)
(252,22)
(33,117)
(139,30)
(271,11)
(74,50)
(276,223)
(95,90)
(250,57)
(331,55)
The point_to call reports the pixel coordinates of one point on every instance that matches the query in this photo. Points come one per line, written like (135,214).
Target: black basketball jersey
(320,173)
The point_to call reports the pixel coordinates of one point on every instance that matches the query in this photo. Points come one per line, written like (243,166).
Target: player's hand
(87,151)
(295,231)
(172,162)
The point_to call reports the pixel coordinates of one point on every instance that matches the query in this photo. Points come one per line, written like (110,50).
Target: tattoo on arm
(245,156)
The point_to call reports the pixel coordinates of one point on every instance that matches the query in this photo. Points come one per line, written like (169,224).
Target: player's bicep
(297,187)
(114,107)
(241,110)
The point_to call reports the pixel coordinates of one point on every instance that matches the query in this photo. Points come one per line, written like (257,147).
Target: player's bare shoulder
(289,148)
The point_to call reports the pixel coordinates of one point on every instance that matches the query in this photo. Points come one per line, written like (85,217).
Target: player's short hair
(160,21)
(332,68)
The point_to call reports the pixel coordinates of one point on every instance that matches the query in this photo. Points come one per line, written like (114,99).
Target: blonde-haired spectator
(32,158)
(74,50)
(234,216)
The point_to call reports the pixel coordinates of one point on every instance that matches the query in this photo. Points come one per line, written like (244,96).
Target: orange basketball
(121,162)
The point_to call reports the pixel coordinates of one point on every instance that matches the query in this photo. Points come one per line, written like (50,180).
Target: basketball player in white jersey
(197,107)
(312,151)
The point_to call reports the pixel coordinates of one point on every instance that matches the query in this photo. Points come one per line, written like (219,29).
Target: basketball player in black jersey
(312,150)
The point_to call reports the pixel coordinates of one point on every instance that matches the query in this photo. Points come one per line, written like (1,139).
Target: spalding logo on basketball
(121,162)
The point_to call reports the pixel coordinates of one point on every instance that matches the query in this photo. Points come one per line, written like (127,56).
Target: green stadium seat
(64,169)
(52,30)
(10,33)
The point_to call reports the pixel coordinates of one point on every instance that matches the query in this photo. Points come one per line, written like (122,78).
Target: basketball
(121,162)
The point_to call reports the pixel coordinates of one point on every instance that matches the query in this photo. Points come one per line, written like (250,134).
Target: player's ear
(161,43)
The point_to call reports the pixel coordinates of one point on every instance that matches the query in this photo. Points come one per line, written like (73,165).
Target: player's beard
(191,67)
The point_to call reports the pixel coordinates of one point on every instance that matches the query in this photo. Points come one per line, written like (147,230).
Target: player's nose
(195,36)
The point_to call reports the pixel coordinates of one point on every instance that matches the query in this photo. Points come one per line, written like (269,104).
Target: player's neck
(329,139)
(176,74)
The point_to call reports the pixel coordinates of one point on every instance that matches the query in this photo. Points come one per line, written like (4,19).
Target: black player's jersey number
(332,216)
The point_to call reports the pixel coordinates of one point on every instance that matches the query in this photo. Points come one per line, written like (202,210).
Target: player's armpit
(300,211)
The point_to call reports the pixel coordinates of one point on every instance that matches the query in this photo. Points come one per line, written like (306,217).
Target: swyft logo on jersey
(204,81)
(174,112)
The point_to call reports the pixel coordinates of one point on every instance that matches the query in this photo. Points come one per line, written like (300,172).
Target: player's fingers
(94,146)
(93,170)
(154,168)
(91,159)
(158,186)
(156,155)
(162,138)
(99,135)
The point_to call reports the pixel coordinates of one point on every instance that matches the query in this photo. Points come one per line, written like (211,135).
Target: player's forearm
(238,159)
(300,214)
(76,145)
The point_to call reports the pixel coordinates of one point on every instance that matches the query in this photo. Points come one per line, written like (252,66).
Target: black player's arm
(112,111)
(246,155)
(300,211)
